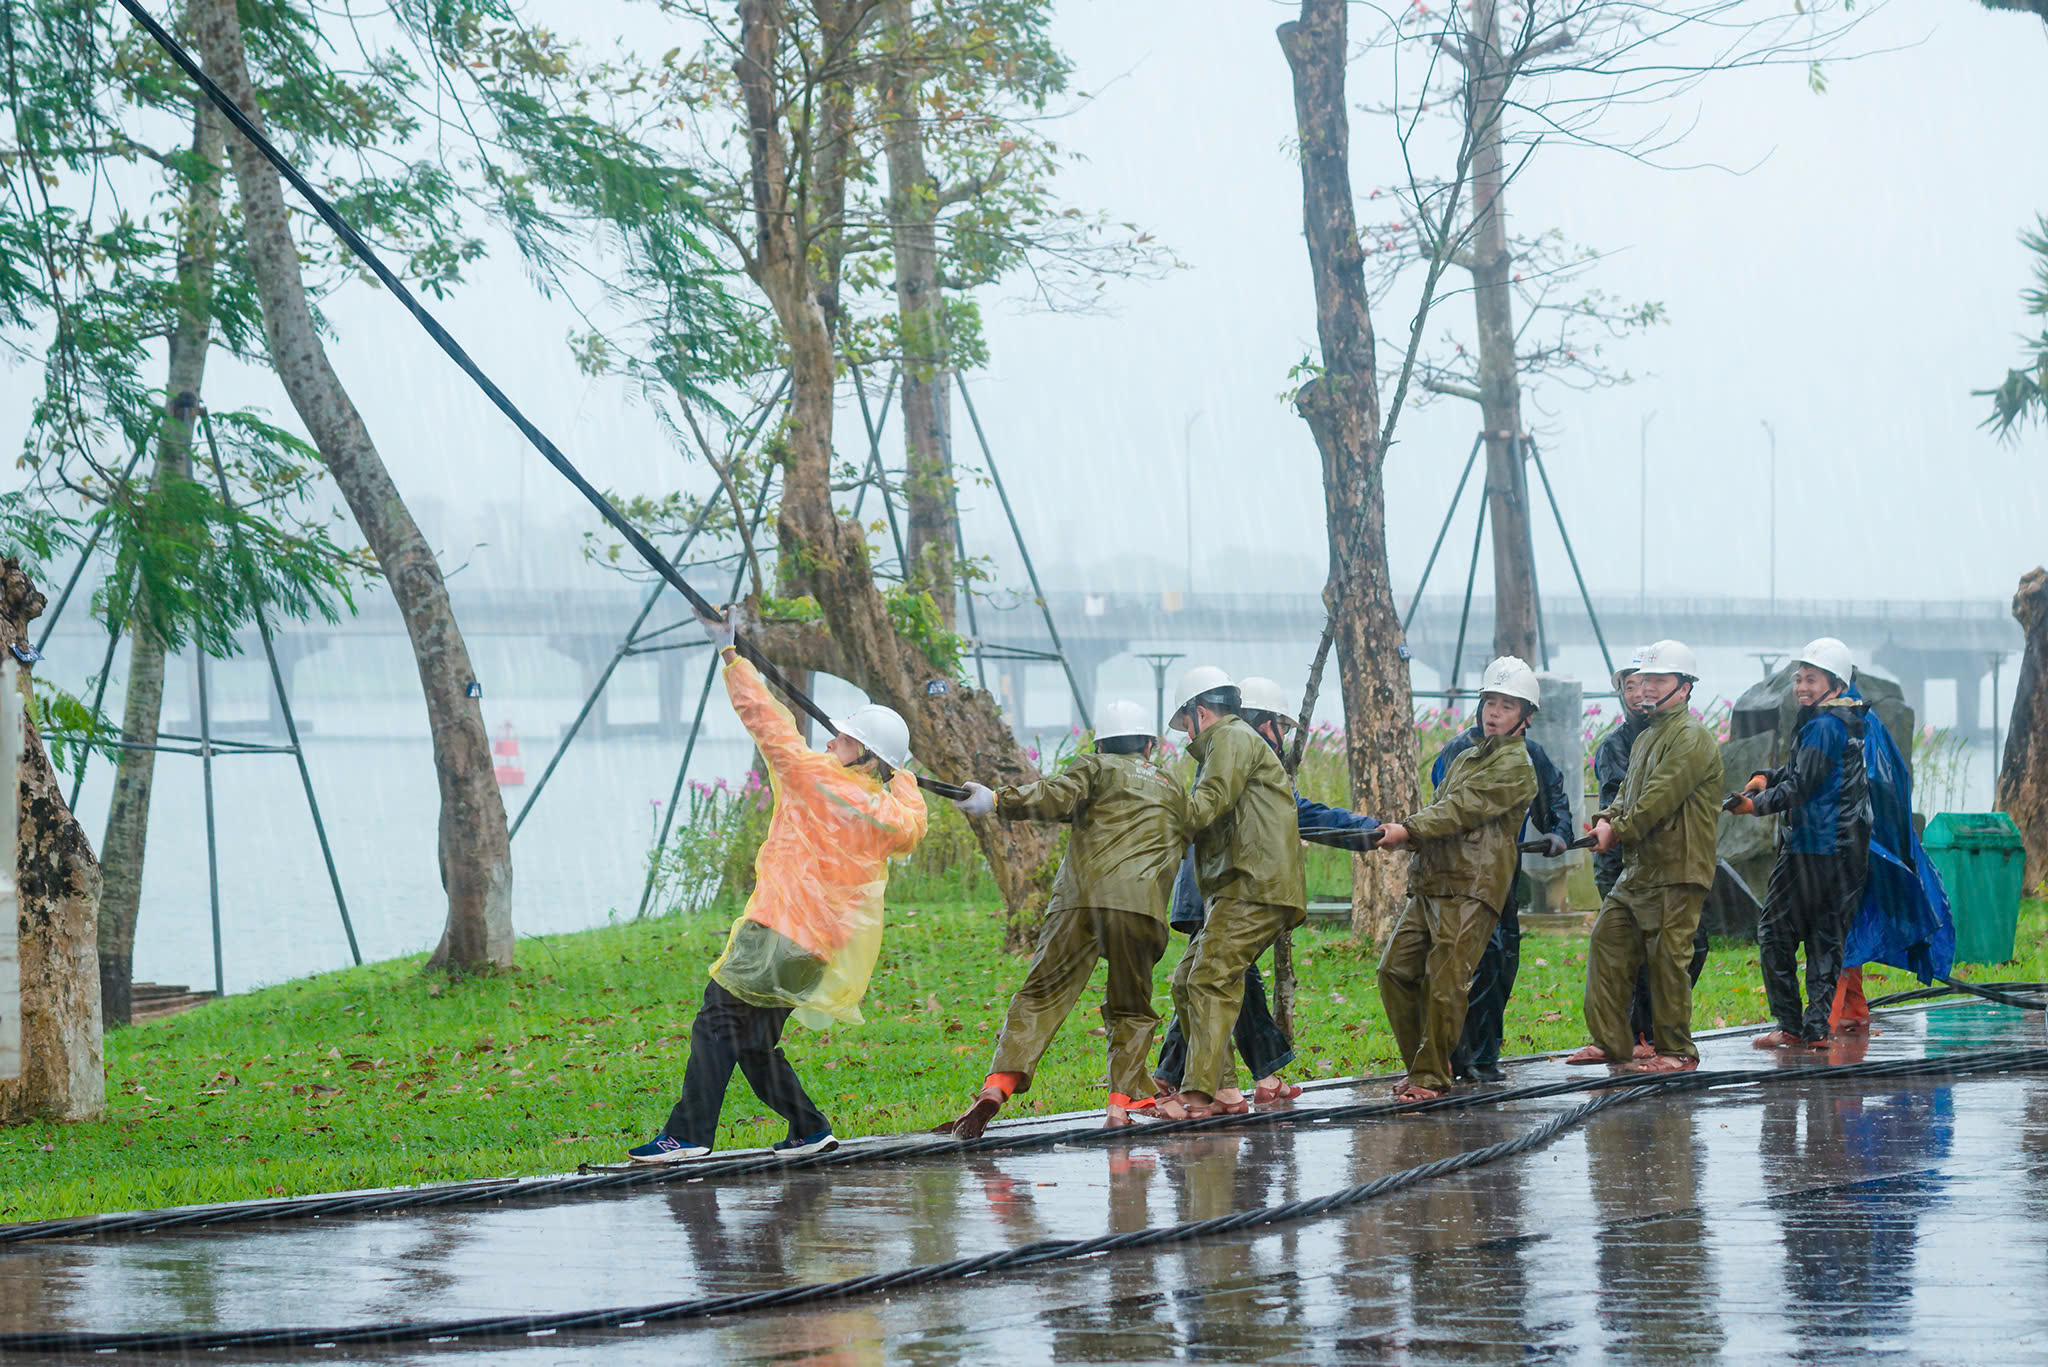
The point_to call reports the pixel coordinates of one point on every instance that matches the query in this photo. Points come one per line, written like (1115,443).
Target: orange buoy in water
(510,773)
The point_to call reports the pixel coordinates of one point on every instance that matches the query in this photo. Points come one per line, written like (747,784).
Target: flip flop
(1199,1110)
(1663,1063)
(1775,1039)
(970,1123)
(1643,1049)
(1410,1091)
(1266,1096)
(1592,1053)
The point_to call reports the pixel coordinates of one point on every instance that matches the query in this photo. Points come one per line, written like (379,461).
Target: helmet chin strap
(1659,705)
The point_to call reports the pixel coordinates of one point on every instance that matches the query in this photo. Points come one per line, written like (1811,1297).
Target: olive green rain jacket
(1129,824)
(1242,816)
(1670,804)
(1465,839)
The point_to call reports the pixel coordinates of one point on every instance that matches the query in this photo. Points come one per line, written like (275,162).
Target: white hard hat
(881,731)
(1263,695)
(1512,678)
(1829,655)
(1193,684)
(1634,666)
(1669,657)
(1121,718)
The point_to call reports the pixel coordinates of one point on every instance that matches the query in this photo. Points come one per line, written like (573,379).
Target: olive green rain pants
(1069,943)
(1208,986)
(1425,980)
(1643,927)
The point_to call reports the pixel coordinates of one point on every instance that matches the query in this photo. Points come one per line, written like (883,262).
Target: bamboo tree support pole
(284,705)
(1457,497)
(1471,578)
(668,816)
(875,473)
(633,638)
(1585,595)
(99,695)
(220,987)
(92,542)
(1030,571)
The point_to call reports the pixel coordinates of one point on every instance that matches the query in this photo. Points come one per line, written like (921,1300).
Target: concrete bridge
(1916,641)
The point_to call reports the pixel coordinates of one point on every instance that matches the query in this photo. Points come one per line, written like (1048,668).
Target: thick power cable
(1043,1252)
(498,1191)
(2005,994)
(355,242)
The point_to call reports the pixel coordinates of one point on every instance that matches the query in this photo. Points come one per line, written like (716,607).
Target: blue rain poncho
(1904,920)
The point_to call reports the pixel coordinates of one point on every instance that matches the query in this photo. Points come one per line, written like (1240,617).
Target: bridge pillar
(290,650)
(1086,660)
(592,654)
(669,686)
(1909,667)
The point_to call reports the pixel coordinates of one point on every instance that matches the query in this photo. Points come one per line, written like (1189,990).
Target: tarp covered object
(1905,920)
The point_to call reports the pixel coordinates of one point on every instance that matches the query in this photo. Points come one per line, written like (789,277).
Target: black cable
(355,242)
(496,1191)
(2002,993)
(1621,1091)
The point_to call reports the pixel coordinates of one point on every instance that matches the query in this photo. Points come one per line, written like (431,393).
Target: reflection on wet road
(1823,1222)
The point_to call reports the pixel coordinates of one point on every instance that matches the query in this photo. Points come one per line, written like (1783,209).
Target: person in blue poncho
(1904,918)
(1898,913)
(1261,1043)
(1817,882)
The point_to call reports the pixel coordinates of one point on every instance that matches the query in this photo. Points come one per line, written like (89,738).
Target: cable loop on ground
(1614,1092)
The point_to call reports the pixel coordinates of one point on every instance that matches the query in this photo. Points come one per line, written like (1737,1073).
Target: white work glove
(1554,846)
(720,634)
(979,801)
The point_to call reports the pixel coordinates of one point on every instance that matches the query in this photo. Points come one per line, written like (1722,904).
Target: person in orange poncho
(807,941)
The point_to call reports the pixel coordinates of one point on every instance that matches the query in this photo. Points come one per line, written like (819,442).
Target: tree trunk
(1500,387)
(957,732)
(1341,407)
(63,1074)
(135,771)
(475,851)
(2023,777)
(920,325)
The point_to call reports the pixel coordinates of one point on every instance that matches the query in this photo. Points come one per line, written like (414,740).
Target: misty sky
(1851,290)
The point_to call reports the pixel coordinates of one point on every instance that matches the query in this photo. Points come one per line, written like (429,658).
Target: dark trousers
(729,1033)
(1811,901)
(1261,1044)
(1486,1009)
(1640,1026)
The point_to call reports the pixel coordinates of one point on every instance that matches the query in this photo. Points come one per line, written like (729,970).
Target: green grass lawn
(381,1076)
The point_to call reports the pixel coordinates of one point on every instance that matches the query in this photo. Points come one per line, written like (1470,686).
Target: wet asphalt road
(1832,1220)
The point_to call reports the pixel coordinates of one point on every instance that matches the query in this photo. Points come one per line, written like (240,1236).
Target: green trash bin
(1982,863)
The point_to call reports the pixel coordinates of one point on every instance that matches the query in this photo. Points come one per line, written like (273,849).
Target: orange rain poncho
(819,877)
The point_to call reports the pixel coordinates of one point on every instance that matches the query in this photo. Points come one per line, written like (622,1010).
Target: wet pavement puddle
(1895,1219)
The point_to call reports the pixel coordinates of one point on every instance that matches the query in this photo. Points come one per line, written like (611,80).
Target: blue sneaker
(662,1149)
(792,1147)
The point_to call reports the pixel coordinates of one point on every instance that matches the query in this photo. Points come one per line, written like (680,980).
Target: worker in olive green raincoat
(1109,901)
(1461,875)
(1248,865)
(1665,823)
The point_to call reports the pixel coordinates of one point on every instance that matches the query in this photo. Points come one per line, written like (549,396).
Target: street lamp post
(1772,432)
(1187,454)
(1643,515)
(1159,661)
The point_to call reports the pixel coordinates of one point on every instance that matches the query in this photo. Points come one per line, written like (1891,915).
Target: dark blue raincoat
(1905,920)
